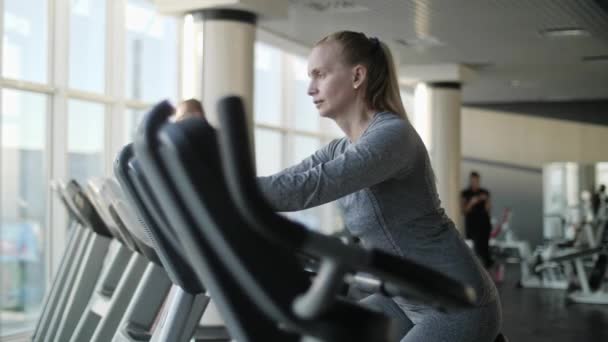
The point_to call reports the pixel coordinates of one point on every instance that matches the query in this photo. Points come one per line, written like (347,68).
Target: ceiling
(501,40)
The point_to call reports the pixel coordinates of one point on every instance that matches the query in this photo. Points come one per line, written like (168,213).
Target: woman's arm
(390,148)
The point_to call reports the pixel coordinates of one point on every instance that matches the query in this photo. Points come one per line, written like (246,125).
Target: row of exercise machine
(575,262)
(182,236)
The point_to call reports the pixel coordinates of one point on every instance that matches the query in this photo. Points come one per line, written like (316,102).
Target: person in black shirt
(598,199)
(476,206)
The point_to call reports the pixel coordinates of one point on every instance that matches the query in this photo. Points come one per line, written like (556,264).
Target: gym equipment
(123,275)
(77,237)
(232,254)
(86,267)
(188,300)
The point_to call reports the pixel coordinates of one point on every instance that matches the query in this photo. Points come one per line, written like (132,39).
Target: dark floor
(543,315)
(538,315)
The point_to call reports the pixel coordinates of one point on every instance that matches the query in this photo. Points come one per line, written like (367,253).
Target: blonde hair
(382,90)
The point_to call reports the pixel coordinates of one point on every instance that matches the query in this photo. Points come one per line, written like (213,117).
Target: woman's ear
(359,75)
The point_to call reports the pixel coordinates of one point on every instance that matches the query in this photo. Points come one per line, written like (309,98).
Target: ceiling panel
(502,36)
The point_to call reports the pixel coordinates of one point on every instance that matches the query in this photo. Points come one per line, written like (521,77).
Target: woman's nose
(312,89)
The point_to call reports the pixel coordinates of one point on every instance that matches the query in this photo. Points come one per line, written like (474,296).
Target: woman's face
(331,82)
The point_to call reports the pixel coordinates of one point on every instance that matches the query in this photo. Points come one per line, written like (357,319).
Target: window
(305,114)
(24,118)
(268,150)
(303,147)
(267,85)
(85,139)
(24,45)
(132,119)
(151,53)
(56,120)
(87,45)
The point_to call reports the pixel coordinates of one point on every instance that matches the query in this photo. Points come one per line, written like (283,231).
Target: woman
(381,176)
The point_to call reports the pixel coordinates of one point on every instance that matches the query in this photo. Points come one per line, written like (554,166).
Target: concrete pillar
(228,42)
(437,118)
(227,30)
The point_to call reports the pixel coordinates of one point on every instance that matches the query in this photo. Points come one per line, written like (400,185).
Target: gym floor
(542,315)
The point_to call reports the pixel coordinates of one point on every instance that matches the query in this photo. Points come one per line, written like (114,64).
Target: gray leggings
(424,324)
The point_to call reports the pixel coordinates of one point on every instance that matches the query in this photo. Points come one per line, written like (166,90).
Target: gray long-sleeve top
(385,186)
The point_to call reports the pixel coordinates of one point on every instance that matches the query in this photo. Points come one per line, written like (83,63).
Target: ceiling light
(596,58)
(525,84)
(332,6)
(423,41)
(564,32)
(479,65)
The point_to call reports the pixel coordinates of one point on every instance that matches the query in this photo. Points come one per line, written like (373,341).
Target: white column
(228,57)
(192,58)
(227,31)
(437,118)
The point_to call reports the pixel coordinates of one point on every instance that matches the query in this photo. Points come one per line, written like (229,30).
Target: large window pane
(306,116)
(24,50)
(151,53)
(268,150)
(303,147)
(24,189)
(601,174)
(332,129)
(132,119)
(85,139)
(268,88)
(87,45)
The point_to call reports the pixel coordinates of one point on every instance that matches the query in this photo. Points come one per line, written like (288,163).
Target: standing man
(476,207)
(598,199)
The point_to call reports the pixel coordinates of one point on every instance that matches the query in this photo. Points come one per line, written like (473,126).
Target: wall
(509,144)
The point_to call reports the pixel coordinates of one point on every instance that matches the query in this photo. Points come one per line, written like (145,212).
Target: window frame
(58,93)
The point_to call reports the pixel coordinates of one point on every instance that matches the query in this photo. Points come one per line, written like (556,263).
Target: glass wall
(302,147)
(23,161)
(268,151)
(85,140)
(25,40)
(67,103)
(305,115)
(568,189)
(267,85)
(151,53)
(601,174)
(132,119)
(87,45)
